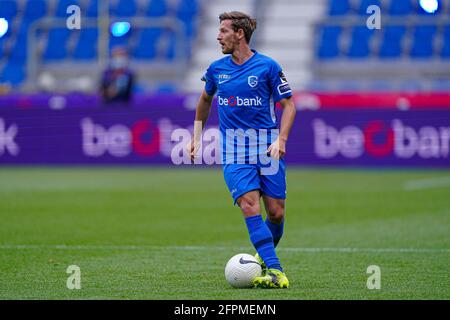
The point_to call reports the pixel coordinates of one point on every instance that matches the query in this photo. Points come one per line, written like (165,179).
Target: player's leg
(244,184)
(274,216)
(273,189)
(274,221)
(260,235)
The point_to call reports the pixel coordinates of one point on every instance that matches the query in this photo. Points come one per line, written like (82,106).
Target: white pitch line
(430,183)
(219,248)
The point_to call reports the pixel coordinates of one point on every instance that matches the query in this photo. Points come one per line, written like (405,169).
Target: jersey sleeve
(210,84)
(279,84)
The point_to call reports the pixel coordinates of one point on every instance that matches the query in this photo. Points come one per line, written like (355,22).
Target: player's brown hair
(242,21)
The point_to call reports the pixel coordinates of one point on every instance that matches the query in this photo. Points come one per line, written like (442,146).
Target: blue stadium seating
(62,5)
(185,12)
(400,7)
(92,9)
(124,8)
(86,47)
(34,9)
(57,44)
(123,41)
(156,8)
(3,39)
(144,44)
(390,38)
(391,46)
(329,44)
(8,9)
(13,73)
(364,4)
(19,49)
(148,40)
(171,47)
(359,45)
(423,41)
(166,87)
(339,7)
(445,51)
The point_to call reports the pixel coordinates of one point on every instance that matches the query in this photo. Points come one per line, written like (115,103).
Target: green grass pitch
(162,233)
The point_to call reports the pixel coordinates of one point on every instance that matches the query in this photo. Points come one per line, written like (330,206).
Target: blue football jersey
(246,97)
(247,93)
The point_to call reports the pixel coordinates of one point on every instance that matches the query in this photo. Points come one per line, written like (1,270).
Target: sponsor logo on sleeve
(284,87)
(282,76)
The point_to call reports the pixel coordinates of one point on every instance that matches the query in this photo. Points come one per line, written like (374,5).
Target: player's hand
(192,149)
(277,149)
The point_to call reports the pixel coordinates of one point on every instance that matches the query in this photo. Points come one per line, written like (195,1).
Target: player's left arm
(277,149)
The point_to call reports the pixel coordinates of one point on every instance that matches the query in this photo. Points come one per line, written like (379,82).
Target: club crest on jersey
(253,81)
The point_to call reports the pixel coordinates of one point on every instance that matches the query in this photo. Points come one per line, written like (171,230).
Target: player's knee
(276,213)
(249,205)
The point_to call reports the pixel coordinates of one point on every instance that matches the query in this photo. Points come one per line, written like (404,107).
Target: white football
(241,269)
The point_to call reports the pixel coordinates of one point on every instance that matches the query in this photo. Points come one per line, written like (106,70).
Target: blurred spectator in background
(118,79)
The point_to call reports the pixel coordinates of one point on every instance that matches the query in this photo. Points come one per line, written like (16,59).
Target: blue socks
(261,237)
(276,230)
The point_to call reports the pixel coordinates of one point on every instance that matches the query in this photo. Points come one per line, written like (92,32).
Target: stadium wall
(331,130)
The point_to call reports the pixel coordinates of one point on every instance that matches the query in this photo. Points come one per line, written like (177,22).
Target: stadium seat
(56,44)
(422,46)
(329,43)
(123,41)
(13,73)
(360,42)
(339,7)
(34,9)
(156,8)
(8,9)
(86,47)
(147,44)
(364,4)
(18,52)
(186,12)
(124,8)
(61,7)
(400,7)
(445,50)
(171,49)
(166,87)
(2,45)
(391,45)
(92,9)
(3,40)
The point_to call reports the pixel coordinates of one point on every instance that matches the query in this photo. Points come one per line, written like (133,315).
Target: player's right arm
(203,108)
(201,116)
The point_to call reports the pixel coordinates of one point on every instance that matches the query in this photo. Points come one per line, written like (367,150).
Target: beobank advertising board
(155,133)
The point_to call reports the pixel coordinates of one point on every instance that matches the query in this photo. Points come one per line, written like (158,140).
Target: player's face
(227,37)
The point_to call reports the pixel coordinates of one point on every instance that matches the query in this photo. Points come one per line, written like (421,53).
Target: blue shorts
(243,178)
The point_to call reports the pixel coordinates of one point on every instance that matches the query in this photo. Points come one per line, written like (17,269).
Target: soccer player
(248,84)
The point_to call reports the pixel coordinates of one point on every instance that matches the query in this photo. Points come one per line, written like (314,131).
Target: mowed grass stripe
(216,248)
